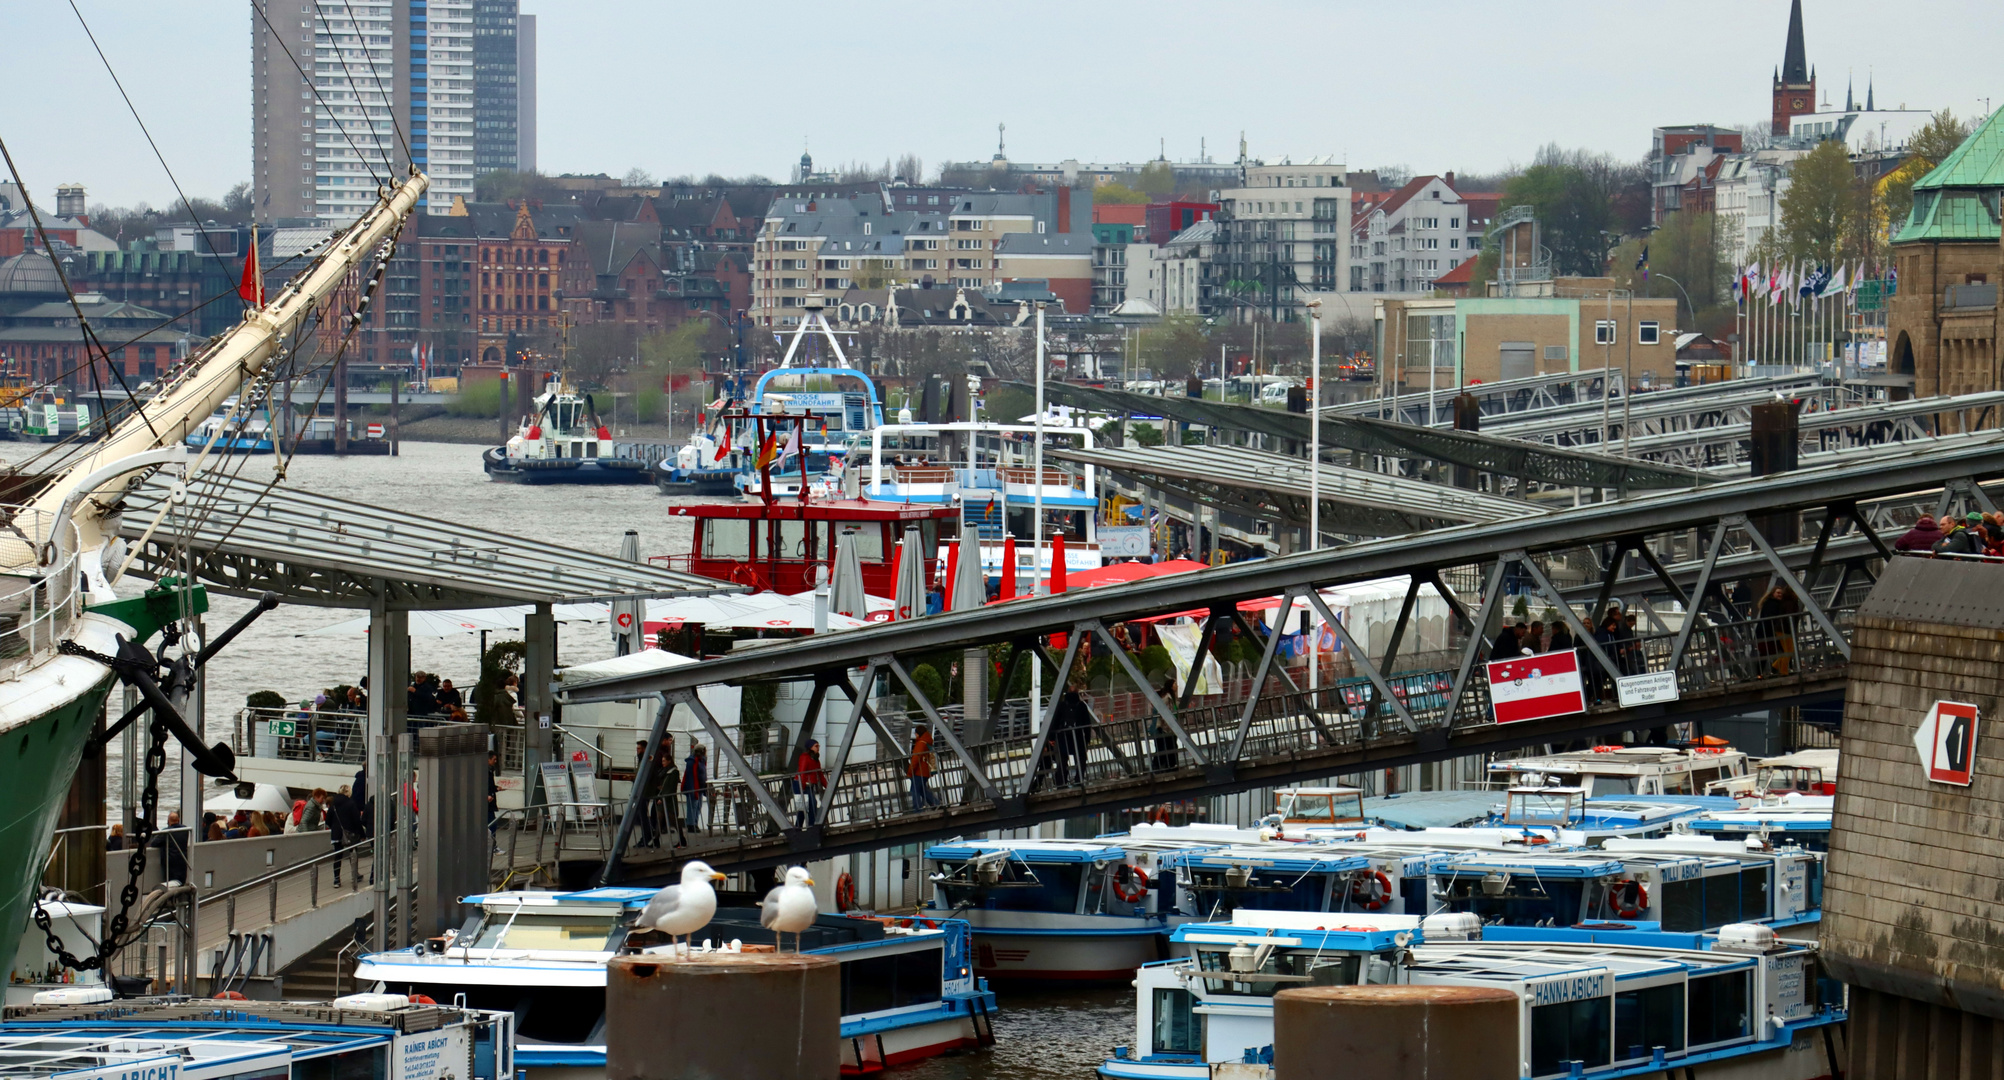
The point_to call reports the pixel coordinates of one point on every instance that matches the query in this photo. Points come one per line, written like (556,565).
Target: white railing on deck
(39,593)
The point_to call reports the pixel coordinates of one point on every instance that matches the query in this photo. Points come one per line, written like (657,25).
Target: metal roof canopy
(331,552)
(1267,485)
(1503,397)
(1902,469)
(1644,409)
(1887,414)
(1563,466)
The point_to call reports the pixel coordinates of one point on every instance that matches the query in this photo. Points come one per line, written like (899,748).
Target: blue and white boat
(1741,1003)
(1803,821)
(1681,885)
(82,1034)
(1626,770)
(908,989)
(224,433)
(1064,910)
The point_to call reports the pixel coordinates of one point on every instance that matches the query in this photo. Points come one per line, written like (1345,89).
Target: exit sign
(284,729)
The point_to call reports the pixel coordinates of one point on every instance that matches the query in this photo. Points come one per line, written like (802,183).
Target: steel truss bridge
(1819,533)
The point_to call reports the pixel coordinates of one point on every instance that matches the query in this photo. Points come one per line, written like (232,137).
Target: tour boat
(1070,910)
(1740,1003)
(1626,770)
(82,1034)
(776,546)
(1674,886)
(562,442)
(908,989)
(1800,820)
(225,433)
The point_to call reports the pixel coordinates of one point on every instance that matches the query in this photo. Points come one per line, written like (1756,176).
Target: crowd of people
(1970,535)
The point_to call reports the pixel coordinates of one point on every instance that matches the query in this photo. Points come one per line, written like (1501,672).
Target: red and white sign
(625,620)
(1947,743)
(1536,687)
(375,431)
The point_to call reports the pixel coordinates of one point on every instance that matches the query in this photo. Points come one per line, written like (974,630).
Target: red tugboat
(774,544)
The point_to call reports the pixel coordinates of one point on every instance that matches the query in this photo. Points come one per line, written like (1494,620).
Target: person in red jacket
(808,780)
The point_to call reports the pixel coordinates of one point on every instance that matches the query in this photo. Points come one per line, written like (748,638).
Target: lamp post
(1693,308)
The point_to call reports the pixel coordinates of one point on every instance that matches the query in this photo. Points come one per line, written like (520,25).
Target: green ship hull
(38,760)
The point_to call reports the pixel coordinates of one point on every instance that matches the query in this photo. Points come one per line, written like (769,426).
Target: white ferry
(1745,1004)
(908,989)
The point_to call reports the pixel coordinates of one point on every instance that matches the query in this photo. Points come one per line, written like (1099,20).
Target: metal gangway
(1693,562)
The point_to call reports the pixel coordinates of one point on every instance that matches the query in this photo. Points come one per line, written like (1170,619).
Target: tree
(1929,147)
(1817,210)
(1157,179)
(506,185)
(637,177)
(1115,193)
(910,168)
(238,202)
(1574,217)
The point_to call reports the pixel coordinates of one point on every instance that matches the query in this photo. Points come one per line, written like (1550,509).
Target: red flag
(251,288)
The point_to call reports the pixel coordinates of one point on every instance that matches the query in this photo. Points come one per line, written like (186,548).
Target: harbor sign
(1536,687)
(1947,743)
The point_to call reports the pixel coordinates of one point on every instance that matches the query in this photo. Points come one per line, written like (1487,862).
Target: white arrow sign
(1947,743)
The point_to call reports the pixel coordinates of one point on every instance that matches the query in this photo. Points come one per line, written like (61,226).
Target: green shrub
(481,399)
(265,699)
(927,679)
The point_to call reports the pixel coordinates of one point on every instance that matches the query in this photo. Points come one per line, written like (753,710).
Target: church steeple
(1848,105)
(1868,92)
(1795,80)
(1795,58)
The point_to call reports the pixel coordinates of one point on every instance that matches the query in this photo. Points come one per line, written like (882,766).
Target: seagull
(789,908)
(681,910)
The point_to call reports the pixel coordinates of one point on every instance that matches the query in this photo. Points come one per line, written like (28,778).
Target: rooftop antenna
(1000,142)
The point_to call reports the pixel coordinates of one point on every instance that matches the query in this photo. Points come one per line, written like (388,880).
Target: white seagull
(681,910)
(789,908)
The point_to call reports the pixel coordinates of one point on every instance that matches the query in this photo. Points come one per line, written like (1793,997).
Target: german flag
(768,452)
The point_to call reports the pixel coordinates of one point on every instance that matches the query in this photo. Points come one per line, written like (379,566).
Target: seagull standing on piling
(681,910)
(789,908)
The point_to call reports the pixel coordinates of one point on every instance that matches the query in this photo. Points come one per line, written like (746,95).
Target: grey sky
(705,87)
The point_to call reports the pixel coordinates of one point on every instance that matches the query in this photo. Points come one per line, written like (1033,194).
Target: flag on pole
(251,286)
(1642,262)
(769,451)
(792,442)
(1833,284)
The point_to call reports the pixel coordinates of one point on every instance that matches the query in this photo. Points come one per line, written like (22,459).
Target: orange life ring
(422,999)
(1130,882)
(1637,892)
(1384,890)
(845,892)
(231,995)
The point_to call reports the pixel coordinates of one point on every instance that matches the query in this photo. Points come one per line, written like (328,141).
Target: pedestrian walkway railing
(332,737)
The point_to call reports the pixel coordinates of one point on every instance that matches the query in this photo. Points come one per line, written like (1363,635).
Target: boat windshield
(1321,808)
(546,933)
(1280,971)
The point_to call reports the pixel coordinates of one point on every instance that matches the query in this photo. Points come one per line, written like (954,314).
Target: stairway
(325,973)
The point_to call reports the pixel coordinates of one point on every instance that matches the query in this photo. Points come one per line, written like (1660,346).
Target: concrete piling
(1416,1032)
(723,1016)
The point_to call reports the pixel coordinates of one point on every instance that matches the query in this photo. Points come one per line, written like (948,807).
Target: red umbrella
(1058,563)
(1008,568)
(952,575)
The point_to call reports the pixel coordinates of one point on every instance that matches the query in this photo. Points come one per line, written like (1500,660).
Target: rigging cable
(389,103)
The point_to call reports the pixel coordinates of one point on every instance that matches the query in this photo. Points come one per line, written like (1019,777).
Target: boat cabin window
(551,1014)
(1707,903)
(1569,1031)
(1020,887)
(558,933)
(727,538)
(1718,1008)
(1647,1018)
(1218,894)
(1601,786)
(876,983)
(868,538)
(1280,971)
(1176,1028)
(1516,899)
(796,539)
(1321,808)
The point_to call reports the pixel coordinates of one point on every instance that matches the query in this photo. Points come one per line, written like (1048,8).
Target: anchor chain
(142,835)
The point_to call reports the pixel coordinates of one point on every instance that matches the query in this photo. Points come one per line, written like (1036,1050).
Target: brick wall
(1916,869)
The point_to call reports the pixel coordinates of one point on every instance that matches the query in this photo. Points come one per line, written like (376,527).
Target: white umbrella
(910,590)
(758,611)
(625,613)
(878,605)
(263,797)
(845,585)
(970,585)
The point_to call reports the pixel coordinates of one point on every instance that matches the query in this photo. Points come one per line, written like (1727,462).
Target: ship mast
(86,489)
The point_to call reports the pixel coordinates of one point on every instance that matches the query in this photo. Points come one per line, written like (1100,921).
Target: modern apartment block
(1282,239)
(345,92)
(879,235)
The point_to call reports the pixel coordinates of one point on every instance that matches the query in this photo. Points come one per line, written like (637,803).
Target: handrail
(38,604)
(356,850)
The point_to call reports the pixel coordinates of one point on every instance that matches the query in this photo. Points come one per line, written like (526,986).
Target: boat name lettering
(1569,988)
(1683,871)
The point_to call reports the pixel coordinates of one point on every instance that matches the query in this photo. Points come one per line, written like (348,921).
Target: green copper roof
(1958,200)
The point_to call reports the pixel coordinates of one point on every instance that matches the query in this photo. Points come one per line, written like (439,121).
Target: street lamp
(1687,299)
